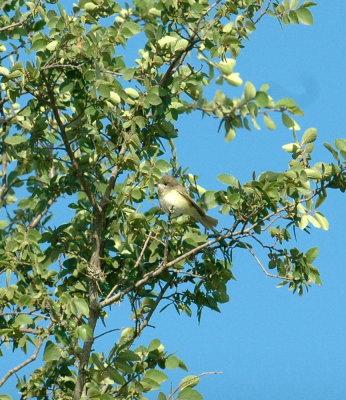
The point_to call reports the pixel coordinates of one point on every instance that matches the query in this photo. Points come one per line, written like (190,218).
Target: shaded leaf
(305,16)
(51,352)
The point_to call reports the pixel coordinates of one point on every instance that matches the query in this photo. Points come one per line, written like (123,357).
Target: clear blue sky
(268,343)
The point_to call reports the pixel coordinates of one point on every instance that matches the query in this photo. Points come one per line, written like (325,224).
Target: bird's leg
(169,215)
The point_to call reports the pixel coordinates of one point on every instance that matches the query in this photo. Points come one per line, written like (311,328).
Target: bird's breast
(174,203)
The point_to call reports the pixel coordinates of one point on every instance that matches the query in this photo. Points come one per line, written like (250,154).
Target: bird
(175,200)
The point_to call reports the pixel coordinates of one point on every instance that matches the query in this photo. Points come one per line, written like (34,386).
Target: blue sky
(268,343)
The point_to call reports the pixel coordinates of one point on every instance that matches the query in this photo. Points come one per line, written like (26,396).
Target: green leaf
(320,200)
(322,220)
(270,124)
(51,352)
(154,344)
(34,236)
(208,199)
(89,6)
(16,74)
(168,41)
(161,396)
(84,332)
(114,97)
(163,166)
(132,93)
(4,71)
(3,223)
(181,45)
(286,102)
(39,44)
(303,223)
(290,147)
(82,306)
(15,139)
(189,381)
(293,4)
(262,99)
(227,65)
(287,121)
(293,17)
(140,121)
(156,375)
(230,134)
(227,179)
(189,394)
(22,319)
(132,27)
(311,254)
(104,90)
(309,136)
(305,16)
(313,173)
(308,4)
(234,79)
(340,144)
(52,45)
(153,99)
(115,375)
(313,221)
(128,355)
(330,148)
(5,397)
(249,91)
(172,362)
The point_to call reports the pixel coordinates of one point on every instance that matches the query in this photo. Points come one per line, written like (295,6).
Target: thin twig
(264,12)
(153,308)
(286,278)
(4,172)
(114,175)
(69,151)
(110,331)
(194,39)
(162,267)
(38,218)
(271,223)
(22,22)
(24,363)
(136,264)
(179,271)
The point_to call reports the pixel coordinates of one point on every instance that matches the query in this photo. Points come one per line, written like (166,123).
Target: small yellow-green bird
(175,200)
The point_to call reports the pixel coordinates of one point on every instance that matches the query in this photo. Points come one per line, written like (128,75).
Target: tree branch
(194,39)
(163,266)
(151,312)
(24,363)
(4,173)
(38,218)
(285,278)
(21,22)
(84,357)
(114,175)
(69,151)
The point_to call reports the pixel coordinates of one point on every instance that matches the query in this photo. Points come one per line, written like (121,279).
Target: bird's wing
(183,191)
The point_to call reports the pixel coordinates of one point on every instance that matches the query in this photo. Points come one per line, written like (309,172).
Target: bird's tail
(208,222)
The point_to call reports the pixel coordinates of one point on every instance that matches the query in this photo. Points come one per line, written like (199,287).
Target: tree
(85,129)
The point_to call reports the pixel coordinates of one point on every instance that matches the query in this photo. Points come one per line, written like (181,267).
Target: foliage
(86,127)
